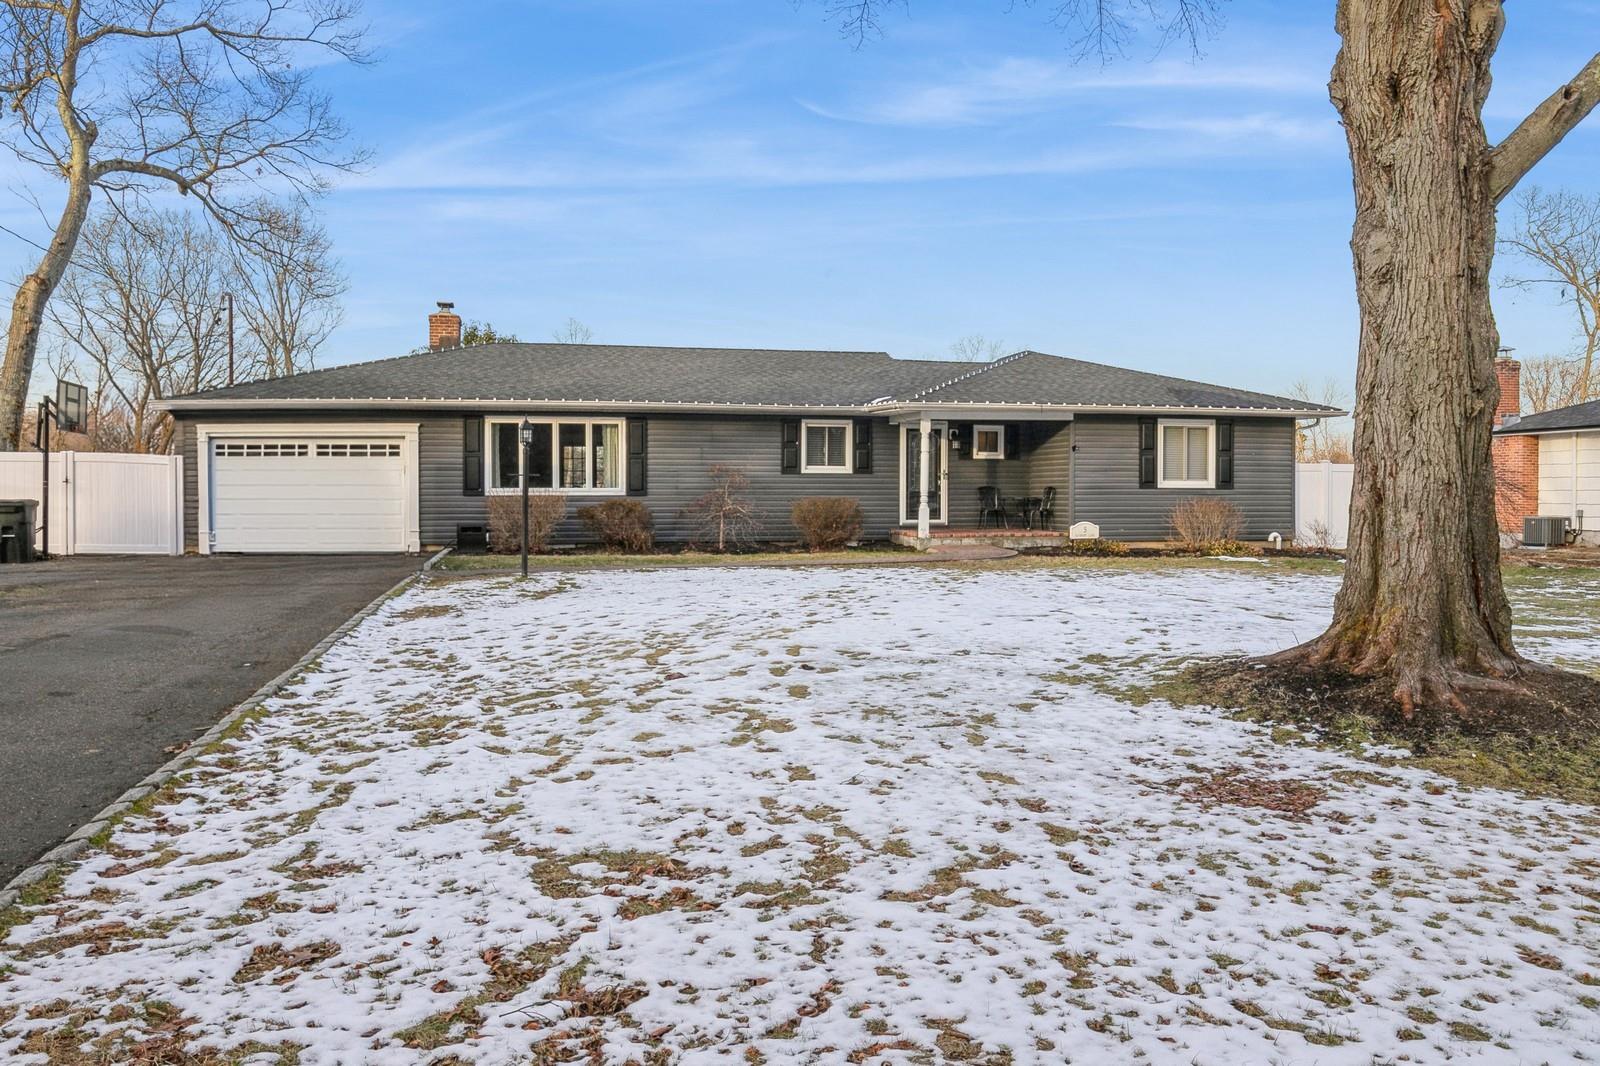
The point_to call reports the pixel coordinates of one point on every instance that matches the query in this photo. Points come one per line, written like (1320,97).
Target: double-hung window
(825,447)
(1185,451)
(572,455)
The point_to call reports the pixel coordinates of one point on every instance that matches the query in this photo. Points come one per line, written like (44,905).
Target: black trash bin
(16,531)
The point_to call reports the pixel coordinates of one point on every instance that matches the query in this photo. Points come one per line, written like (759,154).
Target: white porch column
(924,457)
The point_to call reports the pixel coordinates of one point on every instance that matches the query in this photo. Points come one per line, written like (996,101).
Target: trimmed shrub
(827,523)
(1204,520)
(620,525)
(545,510)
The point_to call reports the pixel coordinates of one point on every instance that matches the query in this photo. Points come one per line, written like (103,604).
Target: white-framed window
(572,455)
(825,447)
(988,442)
(1186,454)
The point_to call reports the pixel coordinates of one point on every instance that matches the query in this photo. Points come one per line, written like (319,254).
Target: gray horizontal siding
(1105,479)
(682,451)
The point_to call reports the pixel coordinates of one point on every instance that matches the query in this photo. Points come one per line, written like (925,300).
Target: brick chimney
(444,327)
(1508,372)
(1516,459)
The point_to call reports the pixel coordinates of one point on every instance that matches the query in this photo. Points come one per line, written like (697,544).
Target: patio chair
(990,507)
(1047,507)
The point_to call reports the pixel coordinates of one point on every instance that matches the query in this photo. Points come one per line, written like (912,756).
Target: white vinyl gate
(1322,504)
(102,503)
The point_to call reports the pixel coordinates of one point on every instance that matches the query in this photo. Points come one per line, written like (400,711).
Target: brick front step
(1002,538)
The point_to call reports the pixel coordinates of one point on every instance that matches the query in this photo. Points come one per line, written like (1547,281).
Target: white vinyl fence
(102,503)
(1322,504)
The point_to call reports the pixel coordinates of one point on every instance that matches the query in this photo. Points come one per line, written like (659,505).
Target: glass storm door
(911,471)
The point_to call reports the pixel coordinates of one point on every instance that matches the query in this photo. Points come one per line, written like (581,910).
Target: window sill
(1185,485)
(988,455)
(825,470)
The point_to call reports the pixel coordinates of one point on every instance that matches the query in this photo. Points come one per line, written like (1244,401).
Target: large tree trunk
(27,309)
(1422,602)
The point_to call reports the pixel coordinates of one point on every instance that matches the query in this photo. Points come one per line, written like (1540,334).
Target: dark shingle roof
(1033,377)
(1578,416)
(633,374)
(612,373)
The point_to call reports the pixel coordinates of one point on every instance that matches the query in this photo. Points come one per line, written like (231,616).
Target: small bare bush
(545,511)
(827,523)
(1202,520)
(620,525)
(725,518)
(1318,535)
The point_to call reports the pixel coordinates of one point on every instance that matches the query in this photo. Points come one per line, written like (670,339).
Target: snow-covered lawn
(822,815)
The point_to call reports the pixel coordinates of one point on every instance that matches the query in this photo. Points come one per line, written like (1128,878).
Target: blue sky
(731,172)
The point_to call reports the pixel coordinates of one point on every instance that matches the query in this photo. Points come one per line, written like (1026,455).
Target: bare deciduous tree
(725,517)
(287,287)
(139,310)
(1423,606)
(976,348)
(125,96)
(1322,440)
(573,332)
(1551,381)
(1559,233)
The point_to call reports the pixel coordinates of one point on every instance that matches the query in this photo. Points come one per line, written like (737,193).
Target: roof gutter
(180,404)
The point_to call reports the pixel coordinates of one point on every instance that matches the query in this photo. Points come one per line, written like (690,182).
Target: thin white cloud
(1256,126)
(1017,86)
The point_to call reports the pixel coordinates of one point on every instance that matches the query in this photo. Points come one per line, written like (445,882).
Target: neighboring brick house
(1516,459)
(1546,464)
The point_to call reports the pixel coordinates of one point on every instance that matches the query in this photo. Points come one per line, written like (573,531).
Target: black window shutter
(1147,453)
(1013,432)
(790,428)
(472,458)
(1224,453)
(961,433)
(862,434)
(638,456)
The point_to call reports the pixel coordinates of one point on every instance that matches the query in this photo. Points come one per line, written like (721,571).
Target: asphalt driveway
(108,663)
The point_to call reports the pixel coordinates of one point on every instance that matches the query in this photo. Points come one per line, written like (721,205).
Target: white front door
(308,494)
(911,475)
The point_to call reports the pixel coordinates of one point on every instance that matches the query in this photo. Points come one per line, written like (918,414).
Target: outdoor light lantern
(527,433)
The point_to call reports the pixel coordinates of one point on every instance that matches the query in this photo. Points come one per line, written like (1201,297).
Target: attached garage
(327,488)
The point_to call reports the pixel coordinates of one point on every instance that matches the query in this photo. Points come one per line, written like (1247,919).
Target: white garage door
(308,495)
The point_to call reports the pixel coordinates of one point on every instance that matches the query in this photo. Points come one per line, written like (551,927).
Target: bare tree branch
(1100,28)
(211,97)
(1543,129)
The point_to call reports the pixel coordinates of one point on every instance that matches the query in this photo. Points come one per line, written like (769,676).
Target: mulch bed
(1552,704)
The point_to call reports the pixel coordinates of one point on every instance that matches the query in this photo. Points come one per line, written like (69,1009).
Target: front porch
(943,537)
(1000,484)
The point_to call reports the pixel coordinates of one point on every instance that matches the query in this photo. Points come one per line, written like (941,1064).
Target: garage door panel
(308,495)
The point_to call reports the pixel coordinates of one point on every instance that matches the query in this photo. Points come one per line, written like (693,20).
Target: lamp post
(525,435)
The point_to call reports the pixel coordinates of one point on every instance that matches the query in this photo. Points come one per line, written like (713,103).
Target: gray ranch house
(399,454)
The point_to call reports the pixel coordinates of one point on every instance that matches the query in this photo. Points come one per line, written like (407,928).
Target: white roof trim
(877,407)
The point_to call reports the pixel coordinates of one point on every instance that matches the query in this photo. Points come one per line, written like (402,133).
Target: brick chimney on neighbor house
(1516,459)
(444,327)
